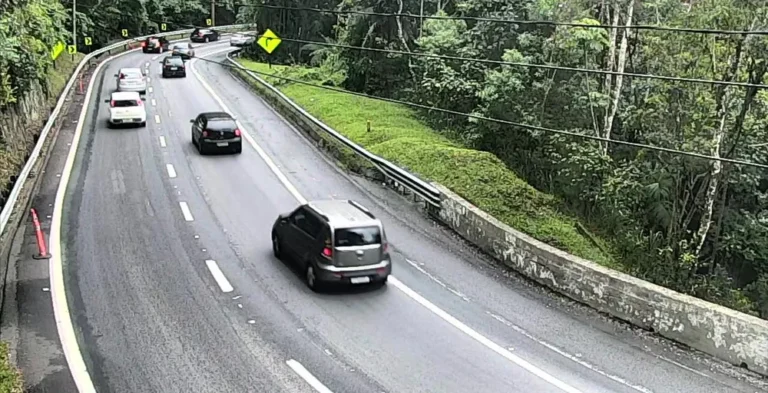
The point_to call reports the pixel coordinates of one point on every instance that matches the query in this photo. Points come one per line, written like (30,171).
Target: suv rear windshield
(221,124)
(124,103)
(352,237)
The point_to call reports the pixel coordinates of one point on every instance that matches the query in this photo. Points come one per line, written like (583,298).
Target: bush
(480,177)
(10,377)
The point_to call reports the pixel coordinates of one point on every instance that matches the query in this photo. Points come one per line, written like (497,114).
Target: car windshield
(124,103)
(351,237)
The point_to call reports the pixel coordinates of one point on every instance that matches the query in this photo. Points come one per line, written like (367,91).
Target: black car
(154,45)
(216,130)
(185,50)
(204,35)
(174,66)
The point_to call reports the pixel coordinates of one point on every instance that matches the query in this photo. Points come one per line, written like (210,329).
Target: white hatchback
(131,79)
(127,108)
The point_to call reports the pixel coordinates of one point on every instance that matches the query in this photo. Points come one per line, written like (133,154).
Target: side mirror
(107,101)
(115,75)
(192,121)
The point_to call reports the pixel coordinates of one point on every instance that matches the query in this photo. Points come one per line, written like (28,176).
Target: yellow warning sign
(71,49)
(269,41)
(124,32)
(57,50)
(88,41)
(208,22)
(163,27)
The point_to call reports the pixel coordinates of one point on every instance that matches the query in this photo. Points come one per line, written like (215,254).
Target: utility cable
(500,121)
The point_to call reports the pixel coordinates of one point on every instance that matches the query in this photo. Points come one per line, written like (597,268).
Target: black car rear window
(125,103)
(221,124)
(352,237)
(174,61)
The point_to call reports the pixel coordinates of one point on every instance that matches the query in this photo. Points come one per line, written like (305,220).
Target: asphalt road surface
(145,213)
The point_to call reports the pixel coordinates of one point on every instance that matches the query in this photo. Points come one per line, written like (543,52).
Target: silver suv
(333,241)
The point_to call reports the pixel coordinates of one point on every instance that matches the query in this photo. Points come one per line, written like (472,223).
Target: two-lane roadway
(173,286)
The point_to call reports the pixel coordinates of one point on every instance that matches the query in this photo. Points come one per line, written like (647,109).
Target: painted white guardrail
(10,203)
(423,189)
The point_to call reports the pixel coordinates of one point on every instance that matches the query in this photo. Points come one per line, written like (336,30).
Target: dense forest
(695,225)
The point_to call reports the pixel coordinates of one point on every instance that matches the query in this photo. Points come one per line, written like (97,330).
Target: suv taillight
(237,132)
(122,76)
(139,103)
(112,103)
(384,246)
(327,252)
(205,134)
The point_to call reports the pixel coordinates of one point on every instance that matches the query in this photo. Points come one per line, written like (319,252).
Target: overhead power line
(500,121)
(528,65)
(512,21)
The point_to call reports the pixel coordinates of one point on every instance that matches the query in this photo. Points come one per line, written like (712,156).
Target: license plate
(222,144)
(174,68)
(360,280)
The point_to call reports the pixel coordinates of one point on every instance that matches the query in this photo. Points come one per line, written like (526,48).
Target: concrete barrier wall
(721,332)
(732,336)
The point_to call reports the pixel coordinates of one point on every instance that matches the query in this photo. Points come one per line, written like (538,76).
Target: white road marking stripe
(399,285)
(58,291)
(149,79)
(157,119)
(146,64)
(307,376)
(186,212)
(171,170)
(154,102)
(149,89)
(218,275)
(162,141)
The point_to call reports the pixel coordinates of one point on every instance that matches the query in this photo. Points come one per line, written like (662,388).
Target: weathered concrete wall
(724,333)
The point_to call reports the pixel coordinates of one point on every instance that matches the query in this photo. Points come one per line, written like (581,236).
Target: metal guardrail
(418,186)
(10,203)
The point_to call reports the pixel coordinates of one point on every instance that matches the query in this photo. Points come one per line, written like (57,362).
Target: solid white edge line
(307,376)
(218,275)
(157,119)
(399,285)
(162,141)
(171,171)
(186,212)
(63,318)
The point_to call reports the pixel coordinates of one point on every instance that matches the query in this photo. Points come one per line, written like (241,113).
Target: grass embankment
(480,177)
(10,377)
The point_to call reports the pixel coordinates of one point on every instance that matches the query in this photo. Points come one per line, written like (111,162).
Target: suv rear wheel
(276,248)
(311,278)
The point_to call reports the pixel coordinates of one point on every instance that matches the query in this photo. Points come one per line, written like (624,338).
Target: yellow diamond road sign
(163,27)
(57,49)
(208,22)
(125,32)
(71,49)
(269,41)
(88,41)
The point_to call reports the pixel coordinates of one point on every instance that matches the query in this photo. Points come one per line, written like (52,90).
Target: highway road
(173,286)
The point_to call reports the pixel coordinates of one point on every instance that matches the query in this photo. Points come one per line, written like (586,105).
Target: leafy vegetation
(10,378)
(693,225)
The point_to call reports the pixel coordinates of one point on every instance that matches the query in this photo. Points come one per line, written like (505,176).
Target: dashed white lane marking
(157,119)
(399,285)
(149,89)
(146,65)
(171,171)
(569,356)
(149,79)
(307,376)
(162,141)
(482,339)
(218,275)
(186,212)
(154,103)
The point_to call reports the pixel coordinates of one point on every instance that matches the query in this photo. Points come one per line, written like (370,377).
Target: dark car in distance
(204,35)
(184,50)
(154,45)
(174,66)
(216,131)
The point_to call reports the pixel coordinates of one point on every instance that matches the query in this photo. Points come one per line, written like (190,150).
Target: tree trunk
(619,78)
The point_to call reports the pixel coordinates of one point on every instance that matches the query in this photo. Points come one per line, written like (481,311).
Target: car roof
(217,115)
(344,213)
(125,95)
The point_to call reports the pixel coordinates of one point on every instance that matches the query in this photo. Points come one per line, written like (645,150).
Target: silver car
(333,241)
(131,79)
(241,40)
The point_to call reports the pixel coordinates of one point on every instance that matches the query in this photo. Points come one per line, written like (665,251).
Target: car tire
(201,149)
(277,248)
(238,148)
(110,125)
(143,92)
(311,279)
(207,40)
(143,124)
(184,75)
